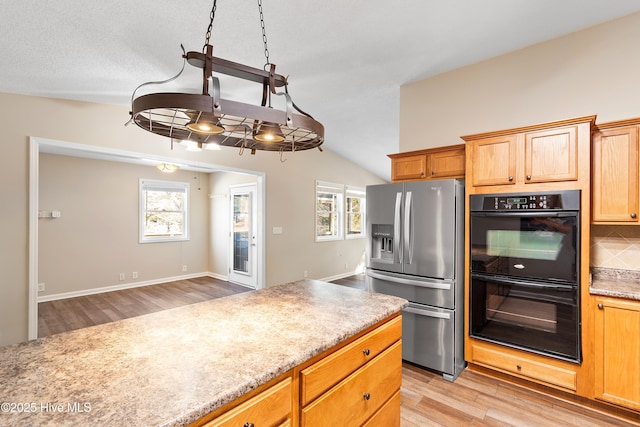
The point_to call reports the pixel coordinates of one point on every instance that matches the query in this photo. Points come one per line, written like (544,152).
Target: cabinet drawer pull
(248,425)
(529,177)
(366,396)
(510,178)
(519,367)
(600,306)
(633,215)
(433,172)
(366,352)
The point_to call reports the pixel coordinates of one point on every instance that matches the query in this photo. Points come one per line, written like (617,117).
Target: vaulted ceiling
(346,59)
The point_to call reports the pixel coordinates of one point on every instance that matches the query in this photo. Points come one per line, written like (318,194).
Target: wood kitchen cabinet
(616,182)
(552,373)
(356,385)
(271,407)
(494,160)
(617,355)
(532,155)
(433,163)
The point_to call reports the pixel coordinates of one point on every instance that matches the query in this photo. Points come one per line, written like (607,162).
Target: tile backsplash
(615,246)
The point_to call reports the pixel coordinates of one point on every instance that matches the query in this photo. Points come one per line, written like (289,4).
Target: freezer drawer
(436,292)
(428,337)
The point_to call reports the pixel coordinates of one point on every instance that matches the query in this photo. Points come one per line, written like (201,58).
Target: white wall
(219,183)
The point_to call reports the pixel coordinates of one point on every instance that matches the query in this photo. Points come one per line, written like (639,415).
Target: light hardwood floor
(426,398)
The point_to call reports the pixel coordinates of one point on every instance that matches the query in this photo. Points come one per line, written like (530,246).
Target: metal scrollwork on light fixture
(208,119)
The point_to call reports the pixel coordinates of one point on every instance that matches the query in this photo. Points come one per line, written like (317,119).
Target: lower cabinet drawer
(270,408)
(354,400)
(321,376)
(388,415)
(529,369)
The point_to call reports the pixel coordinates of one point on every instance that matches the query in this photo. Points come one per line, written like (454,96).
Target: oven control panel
(526,202)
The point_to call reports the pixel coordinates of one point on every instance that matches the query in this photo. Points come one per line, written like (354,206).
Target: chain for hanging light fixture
(206,118)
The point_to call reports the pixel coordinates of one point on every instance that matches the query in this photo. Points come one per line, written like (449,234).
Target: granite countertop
(172,367)
(615,283)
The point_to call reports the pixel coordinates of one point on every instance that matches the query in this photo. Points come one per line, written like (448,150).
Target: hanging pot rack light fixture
(206,118)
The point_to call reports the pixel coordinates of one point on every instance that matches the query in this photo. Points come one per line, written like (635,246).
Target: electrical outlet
(41,287)
(305,274)
(346,266)
(184,267)
(134,275)
(121,276)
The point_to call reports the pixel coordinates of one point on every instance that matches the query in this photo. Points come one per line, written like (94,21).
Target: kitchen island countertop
(172,367)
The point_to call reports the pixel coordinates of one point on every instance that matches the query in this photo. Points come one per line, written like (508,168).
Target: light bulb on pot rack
(207,119)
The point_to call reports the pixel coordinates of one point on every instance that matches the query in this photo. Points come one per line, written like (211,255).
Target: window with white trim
(164,207)
(329,211)
(354,212)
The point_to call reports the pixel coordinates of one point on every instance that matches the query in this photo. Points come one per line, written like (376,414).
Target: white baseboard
(340,276)
(123,286)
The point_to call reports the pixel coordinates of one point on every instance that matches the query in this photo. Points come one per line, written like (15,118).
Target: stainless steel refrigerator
(415,250)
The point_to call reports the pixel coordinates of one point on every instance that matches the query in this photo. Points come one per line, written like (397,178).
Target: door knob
(600,306)
(528,177)
(510,178)
(633,215)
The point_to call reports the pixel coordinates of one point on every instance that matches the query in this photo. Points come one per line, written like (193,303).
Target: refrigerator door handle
(408,227)
(427,313)
(396,230)
(403,281)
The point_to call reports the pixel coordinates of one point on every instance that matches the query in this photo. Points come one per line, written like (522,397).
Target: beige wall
(594,71)
(103,125)
(96,237)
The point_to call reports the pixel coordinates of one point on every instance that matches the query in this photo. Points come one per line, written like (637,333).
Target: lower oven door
(540,317)
(428,337)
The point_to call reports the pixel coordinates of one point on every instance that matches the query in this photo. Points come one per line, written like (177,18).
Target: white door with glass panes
(243,259)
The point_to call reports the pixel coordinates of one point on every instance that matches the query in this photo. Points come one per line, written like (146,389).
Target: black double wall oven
(525,271)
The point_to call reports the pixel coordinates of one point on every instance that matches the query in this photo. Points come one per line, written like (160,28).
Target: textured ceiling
(346,59)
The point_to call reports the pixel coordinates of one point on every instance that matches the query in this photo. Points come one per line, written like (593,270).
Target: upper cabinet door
(493,160)
(551,155)
(409,168)
(615,175)
(447,164)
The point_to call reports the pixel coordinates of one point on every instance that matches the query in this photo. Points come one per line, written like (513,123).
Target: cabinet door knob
(600,306)
(248,425)
(366,352)
(529,177)
(633,215)
(433,172)
(519,367)
(366,396)
(510,178)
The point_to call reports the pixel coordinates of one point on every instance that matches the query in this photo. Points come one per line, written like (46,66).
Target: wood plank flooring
(427,399)
(81,312)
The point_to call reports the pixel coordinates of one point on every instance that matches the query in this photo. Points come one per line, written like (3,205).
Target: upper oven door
(540,245)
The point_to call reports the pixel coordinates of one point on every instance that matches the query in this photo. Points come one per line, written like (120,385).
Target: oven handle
(520,282)
(526,214)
